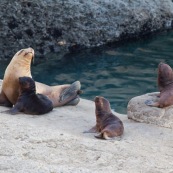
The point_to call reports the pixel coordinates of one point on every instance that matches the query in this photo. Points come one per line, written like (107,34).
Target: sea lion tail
(70,96)
(103,135)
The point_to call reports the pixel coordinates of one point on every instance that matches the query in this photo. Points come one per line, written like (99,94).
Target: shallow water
(116,72)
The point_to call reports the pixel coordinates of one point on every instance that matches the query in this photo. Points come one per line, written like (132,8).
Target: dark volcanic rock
(55,25)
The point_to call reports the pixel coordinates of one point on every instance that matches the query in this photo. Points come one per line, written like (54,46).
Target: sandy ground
(54,143)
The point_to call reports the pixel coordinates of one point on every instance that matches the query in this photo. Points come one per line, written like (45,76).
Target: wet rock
(139,111)
(43,24)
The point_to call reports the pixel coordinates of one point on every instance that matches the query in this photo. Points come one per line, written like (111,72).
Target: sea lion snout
(102,104)
(26,82)
(98,101)
(27,54)
(29,51)
(165,75)
(160,64)
(96,98)
(24,79)
(26,51)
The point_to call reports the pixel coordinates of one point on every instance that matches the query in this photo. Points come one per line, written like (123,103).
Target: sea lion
(20,66)
(107,123)
(28,101)
(165,86)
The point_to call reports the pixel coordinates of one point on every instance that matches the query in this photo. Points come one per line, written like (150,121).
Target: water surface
(117,72)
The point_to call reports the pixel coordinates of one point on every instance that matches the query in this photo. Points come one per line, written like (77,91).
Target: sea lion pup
(165,85)
(107,123)
(28,101)
(20,66)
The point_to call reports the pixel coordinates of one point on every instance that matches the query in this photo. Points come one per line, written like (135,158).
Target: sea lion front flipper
(16,109)
(12,111)
(92,130)
(152,103)
(69,96)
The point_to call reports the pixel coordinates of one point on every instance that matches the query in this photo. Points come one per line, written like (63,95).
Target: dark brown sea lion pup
(20,66)
(107,124)
(165,85)
(28,101)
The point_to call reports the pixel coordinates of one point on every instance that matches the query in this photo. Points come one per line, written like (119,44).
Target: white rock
(139,111)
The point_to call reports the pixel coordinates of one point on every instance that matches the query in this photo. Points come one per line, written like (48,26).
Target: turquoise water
(117,72)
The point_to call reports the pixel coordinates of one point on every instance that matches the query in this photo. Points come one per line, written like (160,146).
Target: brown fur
(165,86)
(19,67)
(28,101)
(107,123)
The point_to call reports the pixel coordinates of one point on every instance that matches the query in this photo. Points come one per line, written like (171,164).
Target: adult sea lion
(28,101)
(20,66)
(165,85)
(107,124)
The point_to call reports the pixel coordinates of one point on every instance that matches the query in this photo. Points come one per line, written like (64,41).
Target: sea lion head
(25,55)
(26,84)
(165,75)
(102,105)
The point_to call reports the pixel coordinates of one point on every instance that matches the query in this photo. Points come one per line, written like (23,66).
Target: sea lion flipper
(92,130)
(12,111)
(70,95)
(152,103)
(104,135)
(99,136)
(74,101)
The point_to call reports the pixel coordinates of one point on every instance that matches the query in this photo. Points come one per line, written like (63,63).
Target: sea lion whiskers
(26,53)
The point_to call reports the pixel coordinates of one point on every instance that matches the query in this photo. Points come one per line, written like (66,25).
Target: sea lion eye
(20,52)
(28,53)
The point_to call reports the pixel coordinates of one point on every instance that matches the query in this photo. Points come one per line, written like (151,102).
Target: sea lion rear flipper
(152,103)
(104,135)
(100,136)
(74,101)
(69,96)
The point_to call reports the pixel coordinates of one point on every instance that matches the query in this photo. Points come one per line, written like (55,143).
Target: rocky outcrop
(139,111)
(55,25)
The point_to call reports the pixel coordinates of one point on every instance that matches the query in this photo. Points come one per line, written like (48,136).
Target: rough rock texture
(139,111)
(54,143)
(55,25)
